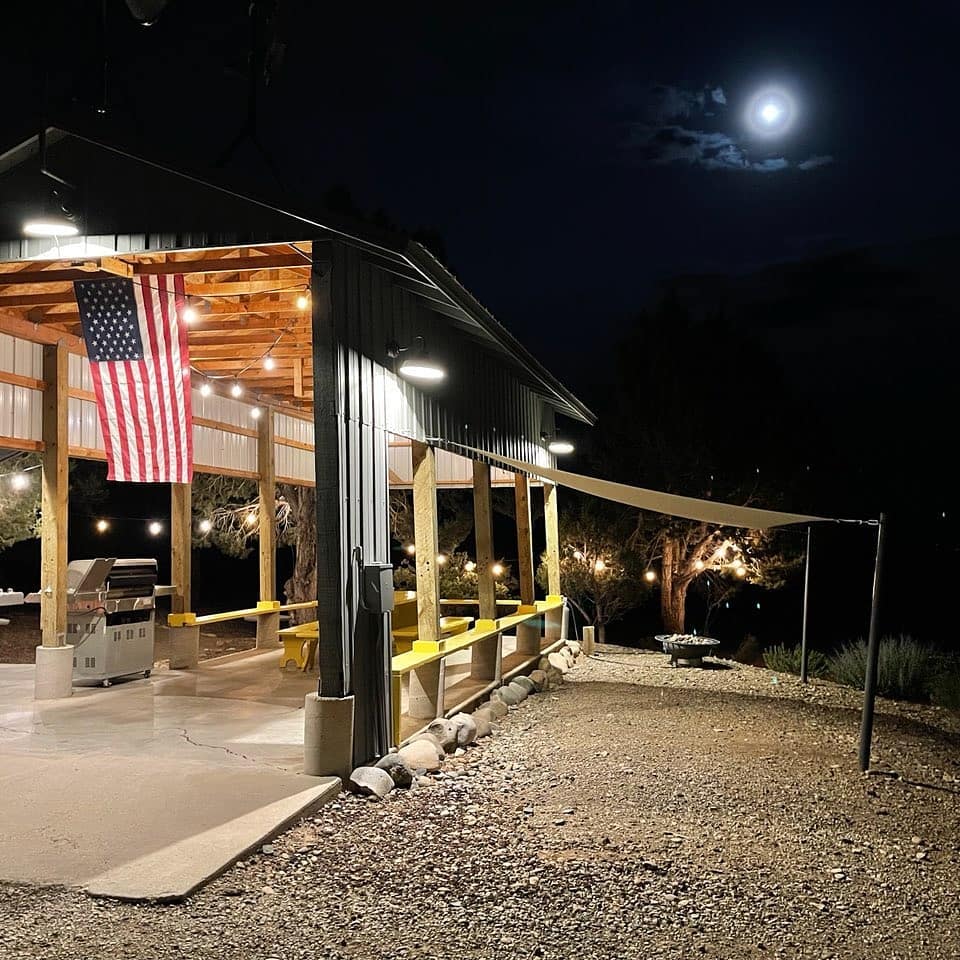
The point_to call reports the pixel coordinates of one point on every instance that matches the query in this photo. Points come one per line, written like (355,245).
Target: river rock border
(411,765)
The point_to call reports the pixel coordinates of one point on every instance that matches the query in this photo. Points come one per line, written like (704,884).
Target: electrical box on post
(378,587)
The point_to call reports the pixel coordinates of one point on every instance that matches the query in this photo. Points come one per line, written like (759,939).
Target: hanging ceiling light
(236,390)
(418,365)
(303,301)
(205,389)
(268,362)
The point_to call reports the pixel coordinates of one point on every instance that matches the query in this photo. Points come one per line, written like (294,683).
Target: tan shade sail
(708,511)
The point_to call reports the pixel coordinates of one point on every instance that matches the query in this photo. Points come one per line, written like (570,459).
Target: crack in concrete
(233,753)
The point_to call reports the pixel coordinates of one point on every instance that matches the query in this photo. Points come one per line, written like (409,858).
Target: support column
(524,539)
(551,521)
(484,655)
(181,526)
(268,624)
(425,540)
(54,665)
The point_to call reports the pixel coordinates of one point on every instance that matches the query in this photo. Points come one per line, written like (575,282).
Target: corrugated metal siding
(452,470)
(20,407)
(21,357)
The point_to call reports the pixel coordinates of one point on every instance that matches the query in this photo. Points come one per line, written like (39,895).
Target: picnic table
(9,598)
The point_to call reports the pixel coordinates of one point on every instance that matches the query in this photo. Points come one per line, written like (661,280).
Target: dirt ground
(636,811)
(18,640)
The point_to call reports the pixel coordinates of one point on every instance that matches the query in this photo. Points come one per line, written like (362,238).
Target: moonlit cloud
(686,127)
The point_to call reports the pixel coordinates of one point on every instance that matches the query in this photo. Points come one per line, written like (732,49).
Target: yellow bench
(403,637)
(300,645)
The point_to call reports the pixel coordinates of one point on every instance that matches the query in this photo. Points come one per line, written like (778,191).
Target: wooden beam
(425,540)
(16,326)
(524,539)
(53,499)
(181,536)
(298,377)
(220,264)
(266,467)
(483,534)
(552,522)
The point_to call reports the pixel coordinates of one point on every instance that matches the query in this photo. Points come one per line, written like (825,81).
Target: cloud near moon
(671,130)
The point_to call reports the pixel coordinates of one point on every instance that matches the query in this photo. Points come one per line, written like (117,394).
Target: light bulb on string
(469,566)
(251,518)
(102,526)
(256,413)
(497,569)
(190,314)
(411,549)
(698,565)
(441,559)
(599,566)
(205,389)
(206,526)
(650,576)
(268,362)
(154,528)
(19,481)
(236,390)
(303,301)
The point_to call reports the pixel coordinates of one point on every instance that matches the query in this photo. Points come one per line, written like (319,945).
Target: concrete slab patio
(149,788)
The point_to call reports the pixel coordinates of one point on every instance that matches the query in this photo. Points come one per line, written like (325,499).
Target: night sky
(578,158)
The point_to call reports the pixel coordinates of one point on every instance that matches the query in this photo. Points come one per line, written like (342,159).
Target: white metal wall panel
(21,357)
(226,451)
(225,409)
(293,428)
(84,424)
(79,372)
(295,464)
(20,412)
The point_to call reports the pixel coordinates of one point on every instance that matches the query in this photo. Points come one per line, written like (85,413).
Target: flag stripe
(145,296)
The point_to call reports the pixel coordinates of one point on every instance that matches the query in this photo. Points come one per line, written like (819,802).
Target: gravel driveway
(634,812)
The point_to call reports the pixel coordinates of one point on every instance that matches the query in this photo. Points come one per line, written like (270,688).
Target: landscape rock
(497,707)
(446,733)
(519,689)
(539,679)
(466,729)
(430,738)
(526,683)
(483,720)
(543,663)
(370,782)
(574,647)
(420,755)
(401,774)
(508,695)
(558,662)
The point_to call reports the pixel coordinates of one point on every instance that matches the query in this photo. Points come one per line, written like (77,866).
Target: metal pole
(873,655)
(804,650)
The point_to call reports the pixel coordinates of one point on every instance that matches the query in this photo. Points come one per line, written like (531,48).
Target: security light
(418,365)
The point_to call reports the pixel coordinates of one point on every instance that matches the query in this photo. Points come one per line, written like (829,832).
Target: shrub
(904,667)
(784,659)
(945,686)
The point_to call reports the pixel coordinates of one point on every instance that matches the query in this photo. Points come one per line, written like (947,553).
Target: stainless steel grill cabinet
(110,617)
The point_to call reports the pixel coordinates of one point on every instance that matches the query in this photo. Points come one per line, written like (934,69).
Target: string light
(469,566)
(698,565)
(577,555)
(497,569)
(441,559)
(268,362)
(650,576)
(741,571)
(102,526)
(205,389)
(236,390)
(206,526)
(303,301)
(190,314)
(599,566)
(154,528)
(19,481)
(411,549)
(251,518)
(256,413)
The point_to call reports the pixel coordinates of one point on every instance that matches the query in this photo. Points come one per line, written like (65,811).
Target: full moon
(770,112)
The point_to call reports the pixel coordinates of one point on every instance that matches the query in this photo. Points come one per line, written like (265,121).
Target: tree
(226,514)
(20,480)
(19,499)
(691,405)
(599,572)
(457,572)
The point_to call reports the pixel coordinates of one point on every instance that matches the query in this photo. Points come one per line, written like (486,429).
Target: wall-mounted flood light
(417,365)
(557,446)
(56,219)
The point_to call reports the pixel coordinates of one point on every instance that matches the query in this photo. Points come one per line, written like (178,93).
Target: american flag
(140,364)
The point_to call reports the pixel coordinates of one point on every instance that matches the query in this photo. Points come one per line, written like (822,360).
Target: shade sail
(689,508)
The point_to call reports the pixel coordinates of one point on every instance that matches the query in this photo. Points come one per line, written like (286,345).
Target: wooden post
(268,624)
(483,534)
(425,540)
(484,655)
(524,540)
(552,523)
(54,493)
(181,525)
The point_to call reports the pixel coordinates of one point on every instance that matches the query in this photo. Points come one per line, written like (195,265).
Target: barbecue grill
(110,617)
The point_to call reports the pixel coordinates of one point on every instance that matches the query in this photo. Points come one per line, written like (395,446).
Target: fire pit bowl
(687,650)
